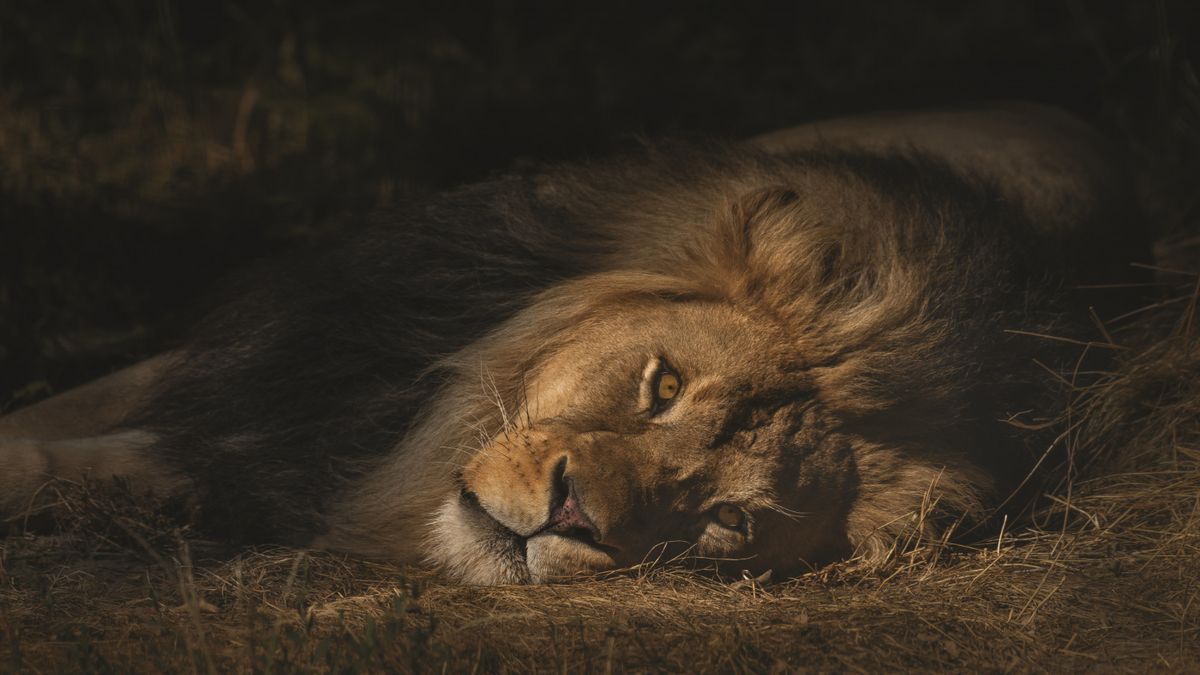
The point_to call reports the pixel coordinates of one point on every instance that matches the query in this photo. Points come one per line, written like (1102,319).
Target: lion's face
(781,402)
(657,427)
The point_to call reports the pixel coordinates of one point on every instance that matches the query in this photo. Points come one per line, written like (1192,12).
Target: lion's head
(726,401)
(662,422)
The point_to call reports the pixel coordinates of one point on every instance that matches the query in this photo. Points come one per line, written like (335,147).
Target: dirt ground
(147,150)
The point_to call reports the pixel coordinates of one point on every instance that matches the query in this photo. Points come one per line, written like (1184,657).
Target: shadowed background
(148,148)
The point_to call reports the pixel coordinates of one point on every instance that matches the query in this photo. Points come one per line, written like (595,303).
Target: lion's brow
(747,413)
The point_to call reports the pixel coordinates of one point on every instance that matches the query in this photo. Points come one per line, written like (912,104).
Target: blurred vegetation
(148,148)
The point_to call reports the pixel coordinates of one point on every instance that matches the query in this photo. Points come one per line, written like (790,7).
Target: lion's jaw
(509,525)
(477,549)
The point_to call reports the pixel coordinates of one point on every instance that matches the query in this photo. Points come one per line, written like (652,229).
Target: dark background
(148,149)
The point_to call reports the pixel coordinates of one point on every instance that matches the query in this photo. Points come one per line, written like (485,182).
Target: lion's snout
(568,518)
(573,497)
(528,482)
(513,480)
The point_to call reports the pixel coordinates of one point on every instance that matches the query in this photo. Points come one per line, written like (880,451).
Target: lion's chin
(470,545)
(554,558)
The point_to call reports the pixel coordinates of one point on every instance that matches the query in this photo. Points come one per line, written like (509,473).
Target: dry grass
(1106,573)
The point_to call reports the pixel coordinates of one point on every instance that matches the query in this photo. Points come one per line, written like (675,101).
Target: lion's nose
(567,516)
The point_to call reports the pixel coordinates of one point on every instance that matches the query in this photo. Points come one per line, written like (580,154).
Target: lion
(771,354)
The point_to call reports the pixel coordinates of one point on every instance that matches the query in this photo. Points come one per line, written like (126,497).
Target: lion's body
(461,383)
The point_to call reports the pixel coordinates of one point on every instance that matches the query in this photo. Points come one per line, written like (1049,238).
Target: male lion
(781,353)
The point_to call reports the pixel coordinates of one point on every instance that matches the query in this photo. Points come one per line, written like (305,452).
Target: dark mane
(317,366)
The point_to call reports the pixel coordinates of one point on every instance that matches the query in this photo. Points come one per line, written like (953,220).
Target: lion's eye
(660,386)
(663,387)
(667,386)
(730,516)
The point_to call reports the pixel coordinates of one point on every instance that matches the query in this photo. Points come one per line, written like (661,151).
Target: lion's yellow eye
(730,516)
(660,386)
(668,386)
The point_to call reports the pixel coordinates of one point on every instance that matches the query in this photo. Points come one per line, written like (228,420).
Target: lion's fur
(342,396)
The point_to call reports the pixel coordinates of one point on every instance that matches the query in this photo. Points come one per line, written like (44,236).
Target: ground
(147,150)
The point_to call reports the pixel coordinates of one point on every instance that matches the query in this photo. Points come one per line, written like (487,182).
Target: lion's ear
(773,244)
(752,210)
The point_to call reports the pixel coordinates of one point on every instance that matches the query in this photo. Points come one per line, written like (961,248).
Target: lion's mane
(412,338)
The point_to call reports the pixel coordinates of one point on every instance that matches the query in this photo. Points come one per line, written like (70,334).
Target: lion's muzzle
(567,515)
(571,497)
